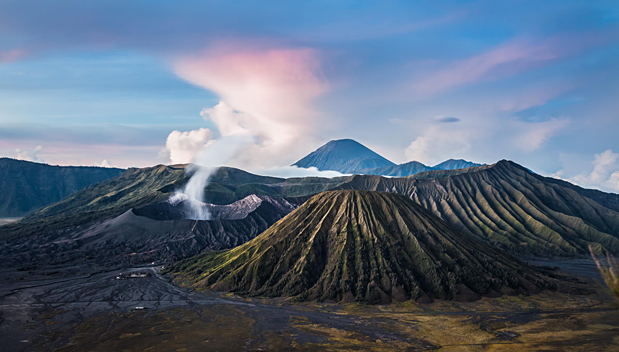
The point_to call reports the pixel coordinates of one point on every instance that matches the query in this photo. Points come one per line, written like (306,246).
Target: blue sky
(109,81)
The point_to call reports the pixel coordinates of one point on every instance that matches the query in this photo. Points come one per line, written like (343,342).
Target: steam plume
(204,165)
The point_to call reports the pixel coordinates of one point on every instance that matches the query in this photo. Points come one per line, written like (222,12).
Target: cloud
(294,171)
(105,163)
(535,134)
(437,142)
(228,121)
(268,93)
(30,155)
(508,59)
(272,85)
(185,146)
(12,55)
(512,57)
(446,119)
(604,175)
(477,137)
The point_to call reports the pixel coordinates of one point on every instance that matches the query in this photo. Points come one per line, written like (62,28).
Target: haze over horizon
(141,83)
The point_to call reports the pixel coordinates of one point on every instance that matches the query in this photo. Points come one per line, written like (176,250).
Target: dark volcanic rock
(134,238)
(511,207)
(180,208)
(363,246)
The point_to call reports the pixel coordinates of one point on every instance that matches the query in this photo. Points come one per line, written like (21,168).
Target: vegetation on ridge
(362,246)
(511,208)
(26,186)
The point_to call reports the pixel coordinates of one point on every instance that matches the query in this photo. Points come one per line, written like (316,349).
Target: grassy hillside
(362,246)
(134,188)
(504,204)
(26,186)
(139,187)
(511,207)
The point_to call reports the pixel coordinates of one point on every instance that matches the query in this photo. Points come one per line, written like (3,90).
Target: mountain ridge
(372,247)
(511,207)
(26,186)
(345,156)
(351,157)
(504,204)
(156,232)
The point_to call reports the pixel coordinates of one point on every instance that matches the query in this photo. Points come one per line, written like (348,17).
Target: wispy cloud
(505,60)
(12,55)
(533,135)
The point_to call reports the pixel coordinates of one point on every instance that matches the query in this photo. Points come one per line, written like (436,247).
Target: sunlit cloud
(184,146)
(269,93)
(603,174)
(533,135)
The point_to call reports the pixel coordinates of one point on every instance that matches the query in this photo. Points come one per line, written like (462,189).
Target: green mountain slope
(26,186)
(362,246)
(139,187)
(504,204)
(110,198)
(511,207)
(151,233)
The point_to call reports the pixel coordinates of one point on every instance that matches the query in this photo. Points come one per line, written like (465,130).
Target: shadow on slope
(373,247)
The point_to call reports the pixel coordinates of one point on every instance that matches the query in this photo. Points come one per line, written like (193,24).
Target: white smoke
(267,110)
(205,164)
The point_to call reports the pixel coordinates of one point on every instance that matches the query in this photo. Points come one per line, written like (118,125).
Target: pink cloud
(12,55)
(276,84)
(503,61)
(269,93)
(531,96)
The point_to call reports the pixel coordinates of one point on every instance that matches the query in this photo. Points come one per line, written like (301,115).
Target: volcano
(344,155)
(162,231)
(374,247)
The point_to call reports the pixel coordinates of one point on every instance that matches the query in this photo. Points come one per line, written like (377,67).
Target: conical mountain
(343,155)
(362,246)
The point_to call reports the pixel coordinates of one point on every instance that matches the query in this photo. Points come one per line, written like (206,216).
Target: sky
(139,83)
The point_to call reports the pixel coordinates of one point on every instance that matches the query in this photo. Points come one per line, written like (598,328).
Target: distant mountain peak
(351,157)
(343,155)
